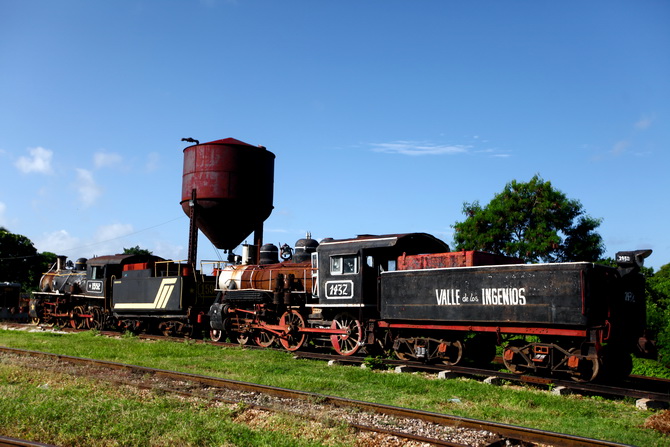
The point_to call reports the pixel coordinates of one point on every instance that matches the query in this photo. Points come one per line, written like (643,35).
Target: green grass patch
(617,421)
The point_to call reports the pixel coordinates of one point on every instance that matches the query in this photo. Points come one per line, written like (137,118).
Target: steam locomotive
(400,293)
(407,294)
(130,292)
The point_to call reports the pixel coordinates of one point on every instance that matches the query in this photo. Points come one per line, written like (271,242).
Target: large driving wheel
(293,339)
(76,320)
(351,342)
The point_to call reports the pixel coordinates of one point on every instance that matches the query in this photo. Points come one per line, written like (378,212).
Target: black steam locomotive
(409,295)
(131,292)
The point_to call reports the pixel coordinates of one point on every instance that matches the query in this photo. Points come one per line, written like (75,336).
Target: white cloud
(419,148)
(104,242)
(619,147)
(107,239)
(113,231)
(167,250)
(106,160)
(88,190)
(57,242)
(39,161)
(644,123)
(153,161)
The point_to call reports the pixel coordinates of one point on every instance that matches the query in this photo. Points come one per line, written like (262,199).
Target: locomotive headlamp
(632,258)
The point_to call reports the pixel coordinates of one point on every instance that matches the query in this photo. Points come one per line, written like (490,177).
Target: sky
(385,116)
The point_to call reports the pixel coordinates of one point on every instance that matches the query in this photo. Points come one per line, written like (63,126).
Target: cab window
(343,265)
(97,272)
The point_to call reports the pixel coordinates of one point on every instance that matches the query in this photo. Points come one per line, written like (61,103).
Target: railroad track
(637,387)
(427,427)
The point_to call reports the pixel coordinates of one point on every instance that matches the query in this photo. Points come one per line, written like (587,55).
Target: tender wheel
(587,368)
(351,342)
(452,353)
(403,350)
(293,339)
(265,339)
(514,358)
(215,334)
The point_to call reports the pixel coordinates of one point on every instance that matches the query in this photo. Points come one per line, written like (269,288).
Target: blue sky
(384,116)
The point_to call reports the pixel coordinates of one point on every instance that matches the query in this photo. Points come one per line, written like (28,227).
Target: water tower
(227,192)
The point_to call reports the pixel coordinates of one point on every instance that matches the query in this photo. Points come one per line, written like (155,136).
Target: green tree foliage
(532,221)
(658,311)
(136,250)
(20,262)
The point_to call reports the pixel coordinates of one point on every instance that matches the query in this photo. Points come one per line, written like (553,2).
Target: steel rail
(14,442)
(646,388)
(503,430)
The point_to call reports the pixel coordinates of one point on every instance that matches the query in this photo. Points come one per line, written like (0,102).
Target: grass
(617,421)
(71,411)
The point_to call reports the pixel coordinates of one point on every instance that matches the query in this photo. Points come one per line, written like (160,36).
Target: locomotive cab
(348,270)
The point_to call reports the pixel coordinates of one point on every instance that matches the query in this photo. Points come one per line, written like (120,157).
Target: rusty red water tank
(233,183)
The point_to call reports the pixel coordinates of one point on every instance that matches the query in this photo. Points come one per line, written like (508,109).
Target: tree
(532,221)
(20,262)
(136,250)
(658,311)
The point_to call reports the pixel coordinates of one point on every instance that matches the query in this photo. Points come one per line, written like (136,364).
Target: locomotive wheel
(168,328)
(292,340)
(76,321)
(265,339)
(514,359)
(588,368)
(243,338)
(96,320)
(351,342)
(215,334)
(404,352)
(453,353)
